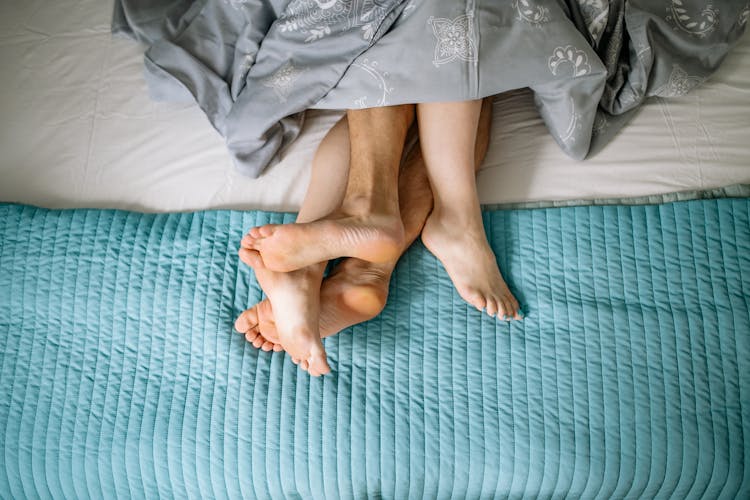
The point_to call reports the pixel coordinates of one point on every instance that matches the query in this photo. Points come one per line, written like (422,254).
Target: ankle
(366,292)
(310,274)
(358,205)
(366,300)
(366,207)
(468,219)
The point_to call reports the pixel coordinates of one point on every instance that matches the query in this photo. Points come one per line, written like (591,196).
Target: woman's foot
(461,246)
(297,296)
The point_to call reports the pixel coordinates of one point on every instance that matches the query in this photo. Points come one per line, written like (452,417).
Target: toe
(251,257)
(516,308)
(247,241)
(254,233)
(277,348)
(251,336)
(502,312)
(507,312)
(478,301)
(258,342)
(247,320)
(474,298)
(511,308)
(492,306)
(499,307)
(295,361)
(319,362)
(265,231)
(267,346)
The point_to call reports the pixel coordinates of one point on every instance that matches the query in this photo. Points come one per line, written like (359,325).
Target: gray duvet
(255,66)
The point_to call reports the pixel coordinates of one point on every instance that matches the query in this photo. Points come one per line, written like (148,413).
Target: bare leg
(356,290)
(366,198)
(454,232)
(296,295)
(367,225)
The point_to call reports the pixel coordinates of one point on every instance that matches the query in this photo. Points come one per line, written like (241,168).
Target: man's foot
(286,247)
(297,296)
(462,248)
(255,320)
(356,291)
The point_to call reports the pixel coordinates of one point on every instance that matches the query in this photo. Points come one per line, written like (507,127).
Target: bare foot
(286,247)
(355,291)
(255,320)
(462,248)
(297,295)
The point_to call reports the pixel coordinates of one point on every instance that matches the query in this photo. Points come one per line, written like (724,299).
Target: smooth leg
(296,295)
(454,231)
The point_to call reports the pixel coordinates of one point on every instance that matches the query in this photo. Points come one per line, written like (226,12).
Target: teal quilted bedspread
(120,375)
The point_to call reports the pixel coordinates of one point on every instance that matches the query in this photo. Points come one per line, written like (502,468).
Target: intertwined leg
(366,205)
(296,295)
(356,290)
(367,225)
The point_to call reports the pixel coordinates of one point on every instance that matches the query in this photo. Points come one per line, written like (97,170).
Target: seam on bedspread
(733,191)
(619,345)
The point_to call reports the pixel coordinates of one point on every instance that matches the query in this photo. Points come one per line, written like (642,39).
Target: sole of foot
(286,247)
(293,307)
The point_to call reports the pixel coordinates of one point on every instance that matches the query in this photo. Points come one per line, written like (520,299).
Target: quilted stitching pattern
(120,374)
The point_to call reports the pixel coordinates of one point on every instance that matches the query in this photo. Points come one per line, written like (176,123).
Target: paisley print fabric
(255,66)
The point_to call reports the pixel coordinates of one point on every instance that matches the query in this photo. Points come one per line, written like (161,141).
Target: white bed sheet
(79,130)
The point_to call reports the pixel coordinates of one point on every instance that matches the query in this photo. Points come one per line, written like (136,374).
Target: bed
(84,132)
(86,154)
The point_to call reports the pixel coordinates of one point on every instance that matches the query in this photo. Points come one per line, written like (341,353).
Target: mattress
(120,374)
(80,130)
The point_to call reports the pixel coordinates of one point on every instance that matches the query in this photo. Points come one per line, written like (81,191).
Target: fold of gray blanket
(255,66)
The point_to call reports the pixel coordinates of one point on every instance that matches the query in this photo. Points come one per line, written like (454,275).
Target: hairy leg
(356,290)
(454,231)
(364,194)
(367,225)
